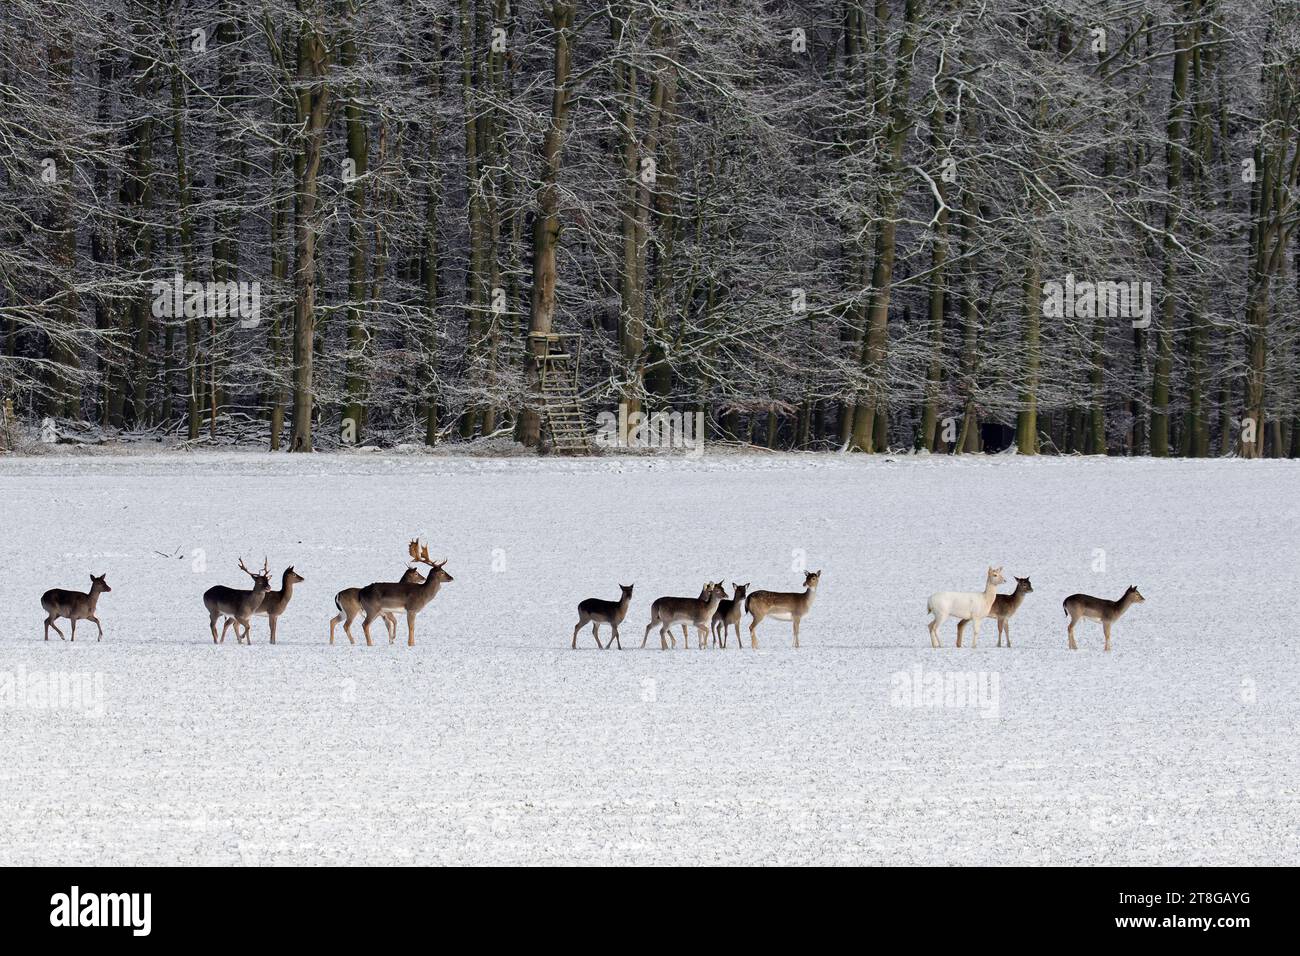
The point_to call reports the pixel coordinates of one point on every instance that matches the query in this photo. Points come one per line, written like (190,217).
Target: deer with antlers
(236,604)
(376,599)
(348,601)
(274,602)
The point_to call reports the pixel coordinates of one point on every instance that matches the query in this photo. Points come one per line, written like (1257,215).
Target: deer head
(420,554)
(1022,584)
(97,582)
(262,578)
(811,578)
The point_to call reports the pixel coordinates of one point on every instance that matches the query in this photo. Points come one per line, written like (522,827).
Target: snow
(491,741)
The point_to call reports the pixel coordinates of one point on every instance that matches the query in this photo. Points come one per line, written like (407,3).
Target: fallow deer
(1098,609)
(783,605)
(348,601)
(970,606)
(273,602)
(375,599)
(75,606)
(667,611)
(1004,608)
(728,614)
(600,612)
(237,604)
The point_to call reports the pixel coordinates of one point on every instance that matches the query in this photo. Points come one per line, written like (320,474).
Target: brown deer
(600,612)
(782,605)
(1004,608)
(348,601)
(1098,609)
(273,602)
(375,599)
(728,614)
(73,605)
(239,605)
(667,611)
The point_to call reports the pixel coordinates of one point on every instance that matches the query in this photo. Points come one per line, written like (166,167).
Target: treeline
(825,225)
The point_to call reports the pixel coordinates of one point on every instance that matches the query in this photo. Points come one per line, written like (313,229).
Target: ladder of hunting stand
(557,362)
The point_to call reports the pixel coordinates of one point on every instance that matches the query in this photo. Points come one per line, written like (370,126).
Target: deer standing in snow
(973,606)
(237,604)
(74,605)
(1098,609)
(782,605)
(600,612)
(728,614)
(1004,608)
(667,611)
(375,599)
(273,602)
(348,601)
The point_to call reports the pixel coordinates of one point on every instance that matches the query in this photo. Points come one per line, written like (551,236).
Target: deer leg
(647,633)
(975,632)
(999,632)
(212,623)
(49,623)
(686,643)
(333,621)
(1070,633)
(663,644)
(960,625)
(795,622)
(934,628)
(1007,625)
(271,619)
(410,628)
(390,622)
(576,628)
(754,618)
(704,636)
(365,627)
(595,632)
(614,639)
(1105,629)
(347,627)
(74,627)
(99,626)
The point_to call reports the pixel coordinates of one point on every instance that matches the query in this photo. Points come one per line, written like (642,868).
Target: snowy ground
(492,741)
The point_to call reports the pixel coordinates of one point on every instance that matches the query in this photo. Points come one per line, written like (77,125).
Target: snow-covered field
(492,742)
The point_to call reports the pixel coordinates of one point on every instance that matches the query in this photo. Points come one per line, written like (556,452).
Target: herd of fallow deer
(712,613)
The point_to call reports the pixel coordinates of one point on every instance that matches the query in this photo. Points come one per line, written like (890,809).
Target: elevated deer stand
(561,412)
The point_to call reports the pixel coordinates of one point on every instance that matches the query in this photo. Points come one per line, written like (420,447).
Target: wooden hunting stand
(557,363)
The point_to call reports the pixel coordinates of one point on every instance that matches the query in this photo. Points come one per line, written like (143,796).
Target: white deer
(972,606)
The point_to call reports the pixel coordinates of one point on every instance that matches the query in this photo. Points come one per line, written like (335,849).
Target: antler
(420,553)
(265,569)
